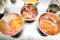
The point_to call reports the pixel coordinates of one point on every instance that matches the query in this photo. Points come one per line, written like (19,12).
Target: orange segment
(17,23)
(3,28)
(12,29)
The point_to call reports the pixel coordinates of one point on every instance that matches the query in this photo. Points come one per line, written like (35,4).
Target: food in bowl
(29,12)
(30,1)
(13,22)
(48,23)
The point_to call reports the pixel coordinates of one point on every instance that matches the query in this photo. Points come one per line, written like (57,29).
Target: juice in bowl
(13,23)
(47,23)
(30,1)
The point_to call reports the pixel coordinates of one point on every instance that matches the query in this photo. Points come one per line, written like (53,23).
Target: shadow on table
(41,33)
(18,35)
(1,15)
(29,21)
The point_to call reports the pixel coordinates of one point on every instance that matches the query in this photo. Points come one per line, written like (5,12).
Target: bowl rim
(57,14)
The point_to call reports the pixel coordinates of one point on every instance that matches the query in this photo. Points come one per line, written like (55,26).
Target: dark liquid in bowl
(53,8)
(13,1)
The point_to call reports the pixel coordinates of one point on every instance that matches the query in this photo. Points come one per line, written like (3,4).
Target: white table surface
(30,31)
